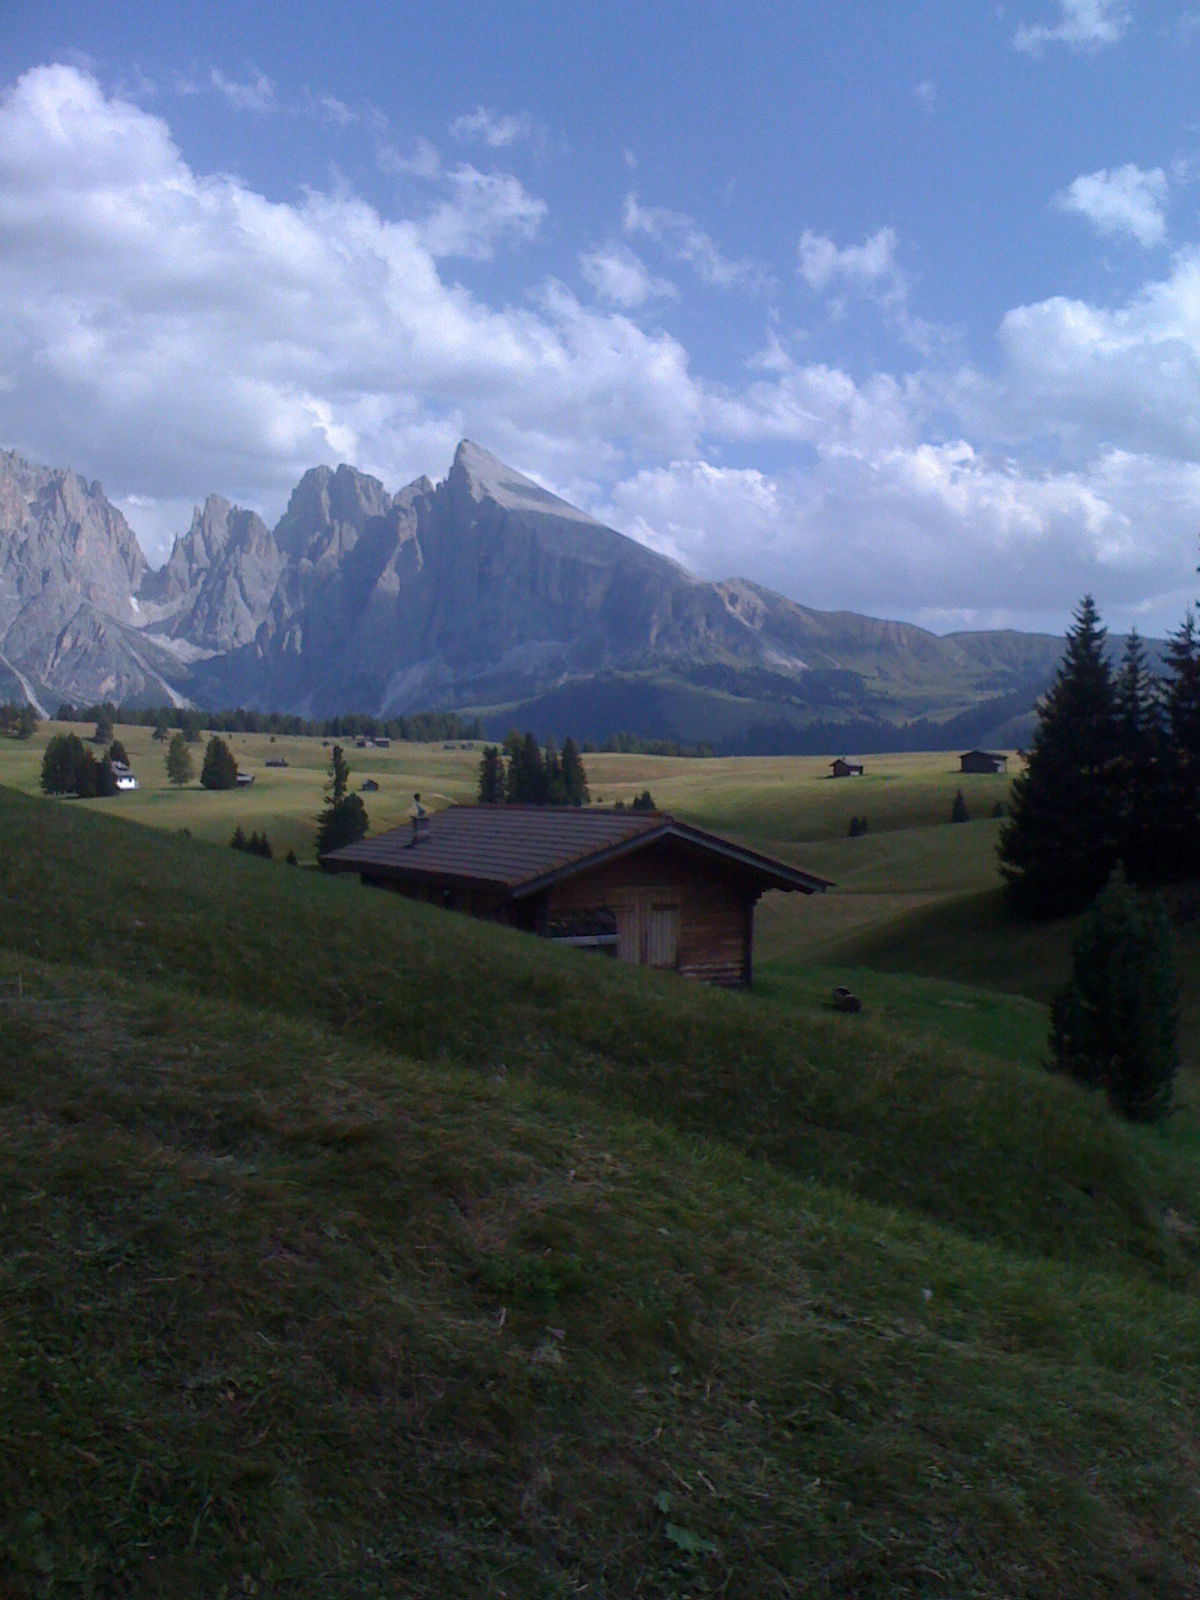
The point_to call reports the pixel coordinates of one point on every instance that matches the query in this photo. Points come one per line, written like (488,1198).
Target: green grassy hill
(356,1249)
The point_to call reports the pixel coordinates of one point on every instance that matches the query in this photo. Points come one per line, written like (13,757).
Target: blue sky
(891,308)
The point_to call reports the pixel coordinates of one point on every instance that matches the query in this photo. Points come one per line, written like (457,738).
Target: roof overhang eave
(773,876)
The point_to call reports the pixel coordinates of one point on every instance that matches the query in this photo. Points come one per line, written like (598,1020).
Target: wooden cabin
(982,761)
(637,885)
(841,768)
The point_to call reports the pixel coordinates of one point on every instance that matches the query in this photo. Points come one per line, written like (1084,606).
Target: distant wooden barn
(640,886)
(841,768)
(983,761)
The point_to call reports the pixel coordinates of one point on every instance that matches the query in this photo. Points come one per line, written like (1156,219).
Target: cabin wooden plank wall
(673,911)
(474,901)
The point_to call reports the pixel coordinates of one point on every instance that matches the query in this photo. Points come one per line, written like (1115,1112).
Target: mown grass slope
(356,1249)
(1001,1151)
(288,1317)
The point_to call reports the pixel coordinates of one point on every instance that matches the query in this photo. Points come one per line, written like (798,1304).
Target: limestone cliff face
(214,590)
(483,589)
(58,532)
(70,568)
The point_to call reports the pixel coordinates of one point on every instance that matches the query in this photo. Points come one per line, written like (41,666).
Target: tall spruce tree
(1113,1026)
(1179,791)
(527,784)
(574,778)
(106,777)
(219,770)
(1062,835)
(1138,769)
(344,820)
(491,777)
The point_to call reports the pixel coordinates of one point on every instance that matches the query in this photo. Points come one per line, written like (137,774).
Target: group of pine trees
(69,767)
(1113,774)
(17,721)
(521,772)
(1108,807)
(420,727)
(255,844)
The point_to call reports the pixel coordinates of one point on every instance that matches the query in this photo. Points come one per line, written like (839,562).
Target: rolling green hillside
(353,1248)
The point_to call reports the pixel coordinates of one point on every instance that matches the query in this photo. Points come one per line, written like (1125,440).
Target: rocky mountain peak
(328,501)
(63,531)
(476,475)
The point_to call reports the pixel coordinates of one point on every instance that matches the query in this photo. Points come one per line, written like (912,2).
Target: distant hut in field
(841,768)
(369,786)
(983,761)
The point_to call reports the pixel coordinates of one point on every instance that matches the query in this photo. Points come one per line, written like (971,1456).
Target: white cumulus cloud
(1081,25)
(493,129)
(869,266)
(682,238)
(622,278)
(174,331)
(1127,199)
(183,332)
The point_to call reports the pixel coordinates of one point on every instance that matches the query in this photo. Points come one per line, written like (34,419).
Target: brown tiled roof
(519,849)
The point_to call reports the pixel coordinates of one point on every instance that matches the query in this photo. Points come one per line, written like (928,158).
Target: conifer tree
(491,777)
(1113,1026)
(1179,791)
(219,770)
(1060,841)
(341,824)
(339,776)
(62,760)
(527,774)
(238,839)
(87,776)
(117,752)
(552,783)
(1138,768)
(574,778)
(344,820)
(958,808)
(106,778)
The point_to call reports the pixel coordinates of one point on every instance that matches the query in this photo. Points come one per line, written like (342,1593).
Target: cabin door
(647,928)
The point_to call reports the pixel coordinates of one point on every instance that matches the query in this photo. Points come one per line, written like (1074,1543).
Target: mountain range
(483,592)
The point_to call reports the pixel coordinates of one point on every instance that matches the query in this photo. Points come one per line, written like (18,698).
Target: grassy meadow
(354,1248)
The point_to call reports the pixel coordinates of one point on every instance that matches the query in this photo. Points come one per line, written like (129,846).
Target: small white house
(126,780)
